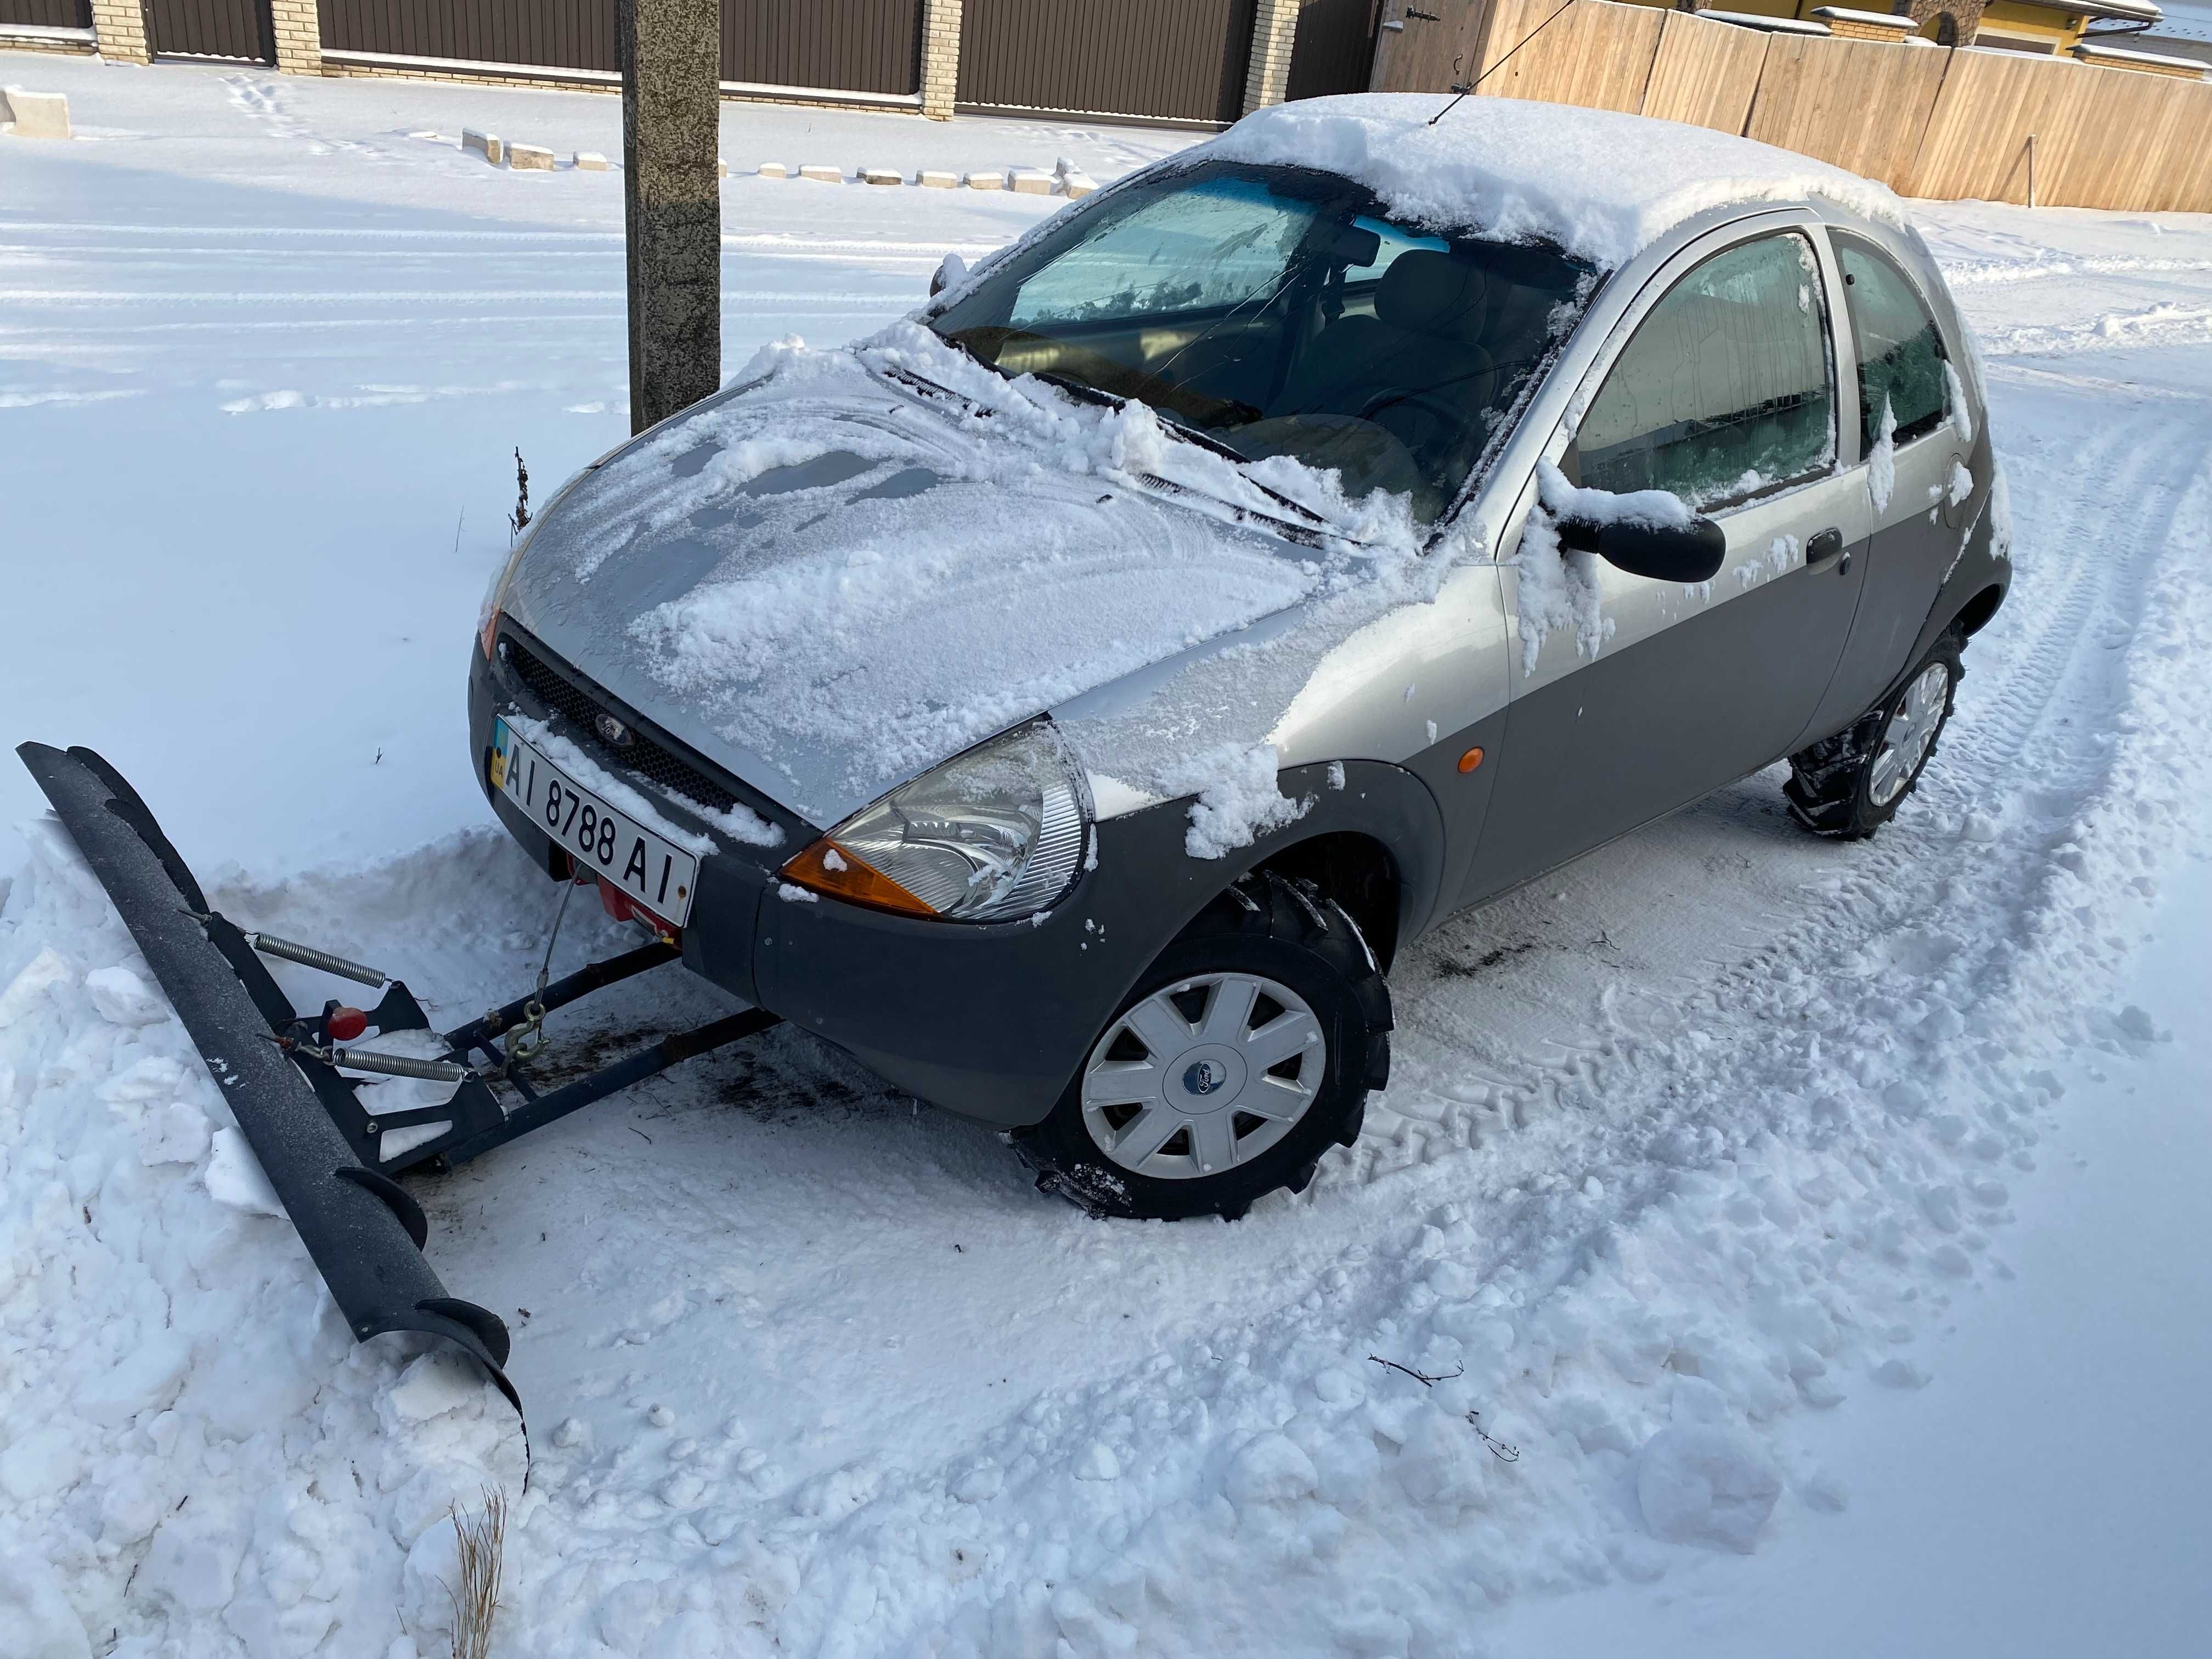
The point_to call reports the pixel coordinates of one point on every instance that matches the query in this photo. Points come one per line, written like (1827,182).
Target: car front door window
(1727,390)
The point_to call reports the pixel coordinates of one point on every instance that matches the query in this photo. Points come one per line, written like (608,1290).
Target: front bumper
(987,1021)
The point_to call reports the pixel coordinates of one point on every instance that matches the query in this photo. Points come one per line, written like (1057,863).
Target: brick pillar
(940,57)
(1267,74)
(299,30)
(120,25)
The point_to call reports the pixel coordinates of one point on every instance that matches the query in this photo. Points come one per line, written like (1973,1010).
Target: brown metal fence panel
(1175,59)
(1706,73)
(1334,50)
(48,14)
(1862,105)
(577,34)
(211,28)
(842,45)
(850,45)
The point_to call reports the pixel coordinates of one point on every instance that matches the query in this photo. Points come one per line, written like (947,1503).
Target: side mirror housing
(1691,552)
(950,270)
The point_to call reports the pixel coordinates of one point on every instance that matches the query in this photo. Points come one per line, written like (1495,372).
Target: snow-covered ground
(1738,1174)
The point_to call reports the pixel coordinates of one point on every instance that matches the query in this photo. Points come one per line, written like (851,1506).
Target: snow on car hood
(828,578)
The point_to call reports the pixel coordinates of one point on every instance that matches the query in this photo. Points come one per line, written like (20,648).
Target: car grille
(643,756)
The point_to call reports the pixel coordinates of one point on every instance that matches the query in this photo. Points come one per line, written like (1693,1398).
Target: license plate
(644,866)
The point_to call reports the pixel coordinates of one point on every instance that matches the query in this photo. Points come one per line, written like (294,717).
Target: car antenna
(1460,92)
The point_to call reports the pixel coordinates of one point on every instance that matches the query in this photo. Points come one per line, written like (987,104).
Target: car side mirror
(950,270)
(1691,552)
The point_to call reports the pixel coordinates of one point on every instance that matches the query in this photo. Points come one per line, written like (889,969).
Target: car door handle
(1826,548)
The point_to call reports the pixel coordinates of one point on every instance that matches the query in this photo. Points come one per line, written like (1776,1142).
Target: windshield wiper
(1084,391)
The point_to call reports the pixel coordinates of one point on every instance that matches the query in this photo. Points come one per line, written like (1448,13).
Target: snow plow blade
(363,1231)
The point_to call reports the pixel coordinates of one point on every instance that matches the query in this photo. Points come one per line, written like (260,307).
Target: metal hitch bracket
(284,1079)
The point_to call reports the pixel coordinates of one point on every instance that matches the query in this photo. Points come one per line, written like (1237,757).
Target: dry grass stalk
(482,1550)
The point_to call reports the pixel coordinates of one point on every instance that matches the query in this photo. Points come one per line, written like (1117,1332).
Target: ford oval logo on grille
(614,731)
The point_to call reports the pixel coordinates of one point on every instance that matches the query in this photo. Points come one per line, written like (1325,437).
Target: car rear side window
(1900,349)
(1727,390)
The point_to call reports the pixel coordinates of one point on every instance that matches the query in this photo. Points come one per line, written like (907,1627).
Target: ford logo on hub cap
(1203,1076)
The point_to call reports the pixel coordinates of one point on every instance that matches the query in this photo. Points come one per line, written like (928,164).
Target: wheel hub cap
(1910,733)
(1203,1075)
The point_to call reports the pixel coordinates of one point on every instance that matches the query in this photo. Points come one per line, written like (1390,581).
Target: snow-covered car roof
(1599,184)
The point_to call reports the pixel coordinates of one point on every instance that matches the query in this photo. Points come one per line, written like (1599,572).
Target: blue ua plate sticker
(644,865)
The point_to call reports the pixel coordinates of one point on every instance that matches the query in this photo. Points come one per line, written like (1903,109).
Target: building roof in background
(2133,11)
(2186,20)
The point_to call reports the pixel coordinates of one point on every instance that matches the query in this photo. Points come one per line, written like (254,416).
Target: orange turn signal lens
(826,867)
(1470,760)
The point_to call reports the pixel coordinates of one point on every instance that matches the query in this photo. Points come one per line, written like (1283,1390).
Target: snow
(1720,1129)
(1881,459)
(233,1176)
(980,571)
(1960,406)
(1239,798)
(1886,19)
(1559,589)
(1710,1483)
(623,796)
(2092,52)
(1599,184)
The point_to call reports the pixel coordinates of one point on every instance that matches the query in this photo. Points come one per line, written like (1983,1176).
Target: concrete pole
(671,59)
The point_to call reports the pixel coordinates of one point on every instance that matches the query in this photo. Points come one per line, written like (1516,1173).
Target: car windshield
(1281,312)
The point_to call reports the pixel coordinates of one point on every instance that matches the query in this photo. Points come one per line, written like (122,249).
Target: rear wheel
(1852,784)
(1240,1057)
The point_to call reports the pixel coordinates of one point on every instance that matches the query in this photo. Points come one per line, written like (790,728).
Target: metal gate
(843,46)
(1174,59)
(1333,51)
(570,34)
(211,28)
(47,13)
(829,45)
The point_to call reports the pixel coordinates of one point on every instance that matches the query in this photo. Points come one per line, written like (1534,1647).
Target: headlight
(996,834)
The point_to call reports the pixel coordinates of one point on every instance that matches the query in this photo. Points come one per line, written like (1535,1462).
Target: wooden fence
(1925,120)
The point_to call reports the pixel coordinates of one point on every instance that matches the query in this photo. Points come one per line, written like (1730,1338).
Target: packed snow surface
(1692,1151)
(1601,184)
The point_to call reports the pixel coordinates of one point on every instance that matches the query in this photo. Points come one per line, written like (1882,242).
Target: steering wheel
(1428,400)
(1429,404)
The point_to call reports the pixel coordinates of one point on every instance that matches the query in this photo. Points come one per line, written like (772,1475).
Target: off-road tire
(1264,925)
(1832,785)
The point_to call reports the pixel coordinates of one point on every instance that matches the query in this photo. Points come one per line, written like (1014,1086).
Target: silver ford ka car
(1069,701)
